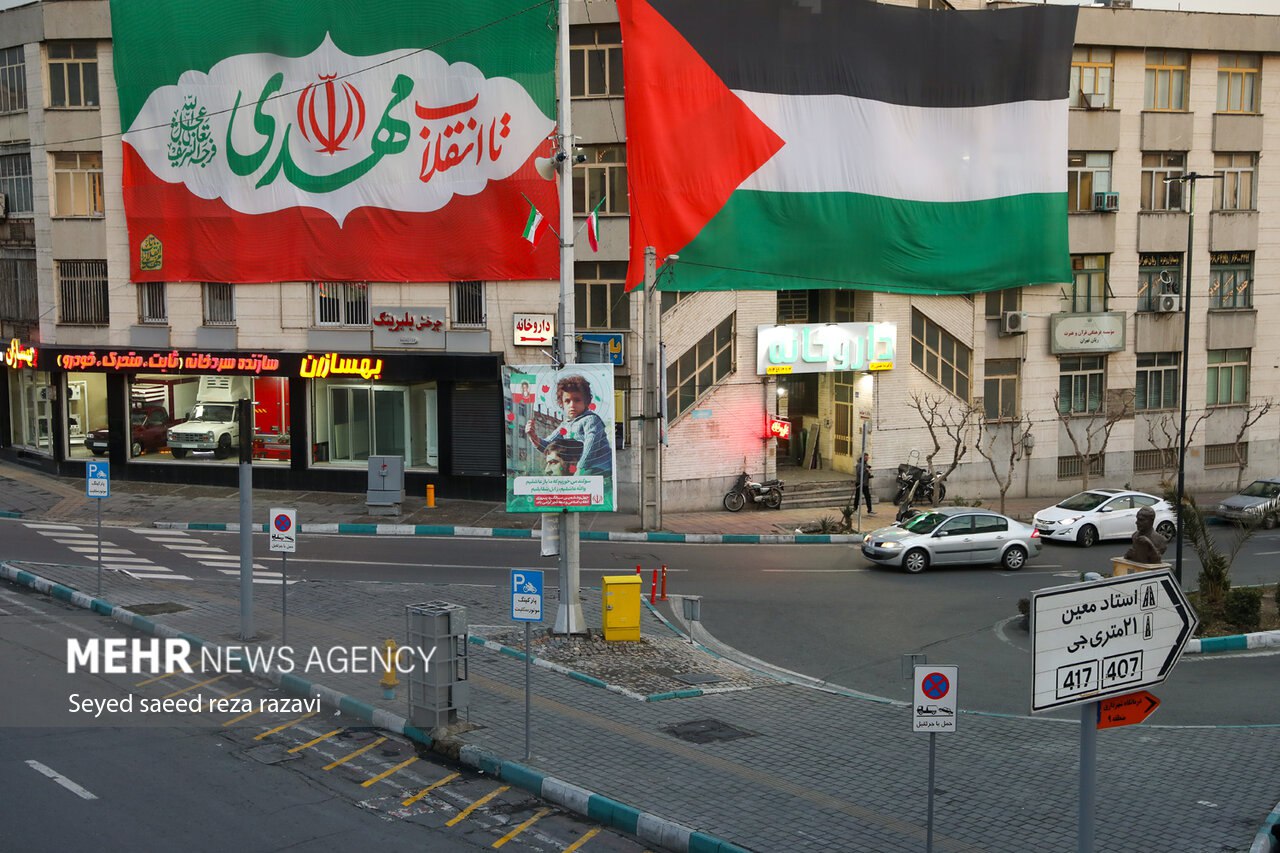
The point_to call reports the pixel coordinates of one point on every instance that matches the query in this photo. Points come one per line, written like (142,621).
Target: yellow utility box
(621,606)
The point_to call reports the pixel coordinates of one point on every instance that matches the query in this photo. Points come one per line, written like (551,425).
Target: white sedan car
(1099,514)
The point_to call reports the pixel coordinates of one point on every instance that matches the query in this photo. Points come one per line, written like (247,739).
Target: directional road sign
(526,595)
(283,530)
(1126,710)
(934,706)
(1106,638)
(97,479)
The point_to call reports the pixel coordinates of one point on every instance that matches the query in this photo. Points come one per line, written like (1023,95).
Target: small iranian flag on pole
(536,226)
(593,226)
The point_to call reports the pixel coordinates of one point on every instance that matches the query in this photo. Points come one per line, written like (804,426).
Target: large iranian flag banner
(789,144)
(303,140)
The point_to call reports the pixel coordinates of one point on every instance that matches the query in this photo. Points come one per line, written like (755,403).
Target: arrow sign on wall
(1126,710)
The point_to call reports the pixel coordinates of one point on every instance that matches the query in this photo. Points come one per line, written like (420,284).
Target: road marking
(234,720)
(430,788)
(462,815)
(537,816)
(39,526)
(384,774)
(123,559)
(187,546)
(155,576)
(361,751)
(303,746)
(69,538)
(1266,553)
(157,678)
(62,780)
(213,680)
(281,728)
(592,833)
(815,571)
(91,549)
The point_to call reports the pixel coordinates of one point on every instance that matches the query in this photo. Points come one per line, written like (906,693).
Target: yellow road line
(303,746)
(361,751)
(386,773)
(538,815)
(213,680)
(430,788)
(231,695)
(281,728)
(154,680)
(244,716)
(462,815)
(595,830)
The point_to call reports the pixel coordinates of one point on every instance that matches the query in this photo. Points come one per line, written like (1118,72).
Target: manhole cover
(706,731)
(698,677)
(157,609)
(270,754)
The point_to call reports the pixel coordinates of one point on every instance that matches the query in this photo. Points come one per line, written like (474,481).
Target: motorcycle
(768,492)
(916,483)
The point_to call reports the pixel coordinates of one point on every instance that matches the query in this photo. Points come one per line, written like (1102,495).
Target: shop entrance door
(368,420)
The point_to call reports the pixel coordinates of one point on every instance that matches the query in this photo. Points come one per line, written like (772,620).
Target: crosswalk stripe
(66,537)
(189,549)
(120,558)
(154,576)
(91,549)
(35,525)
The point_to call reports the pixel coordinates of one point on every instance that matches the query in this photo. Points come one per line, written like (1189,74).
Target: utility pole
(650,434)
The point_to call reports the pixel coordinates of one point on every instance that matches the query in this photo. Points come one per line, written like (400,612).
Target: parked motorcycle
(919,485)
(768,492)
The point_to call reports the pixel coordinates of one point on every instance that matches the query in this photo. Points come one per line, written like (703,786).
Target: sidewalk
(788,767)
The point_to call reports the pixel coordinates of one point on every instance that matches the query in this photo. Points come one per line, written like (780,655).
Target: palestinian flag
(593,227)
(389,140)
(535,226)
(787,144)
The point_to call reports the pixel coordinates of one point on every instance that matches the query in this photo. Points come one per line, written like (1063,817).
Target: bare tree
(991,434)
(948,418)
(1254,413)
(1096,428)
(1162,433)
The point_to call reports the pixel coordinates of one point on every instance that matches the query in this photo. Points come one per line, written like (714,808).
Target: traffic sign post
(283,533)
(1094,641)
(97,484)
(933,710)
(526,606)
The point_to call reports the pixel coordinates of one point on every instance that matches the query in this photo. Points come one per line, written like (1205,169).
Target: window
(1157,166)
(342,303)
(595,61)
(82,293)
(1239,174)
(1166,80)
(13,80)
(990,524)
(1091,69)
(1088,283)
(1000,301)
(152,306)
(73,74)
(1226,455)
(693,374)
(1000,389)
(940,356)
(18,294)
(794,305)
(1158,273)
(1155,461)
(15,181)
(1072,467)
(1157,381)
(602,176)
(672,298)
(1227,377)
(1231,279)
(468,305)
(1080,382)
(1088,172)
(1238,82)
(77,180)
(219,304)
(600,296)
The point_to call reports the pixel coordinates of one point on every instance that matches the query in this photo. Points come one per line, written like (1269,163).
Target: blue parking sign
(97,479)
(526,595)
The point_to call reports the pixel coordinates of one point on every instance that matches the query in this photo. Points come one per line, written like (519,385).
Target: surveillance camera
(673,257)
(579,158)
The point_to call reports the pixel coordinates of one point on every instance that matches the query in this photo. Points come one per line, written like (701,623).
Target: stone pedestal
(1121,566)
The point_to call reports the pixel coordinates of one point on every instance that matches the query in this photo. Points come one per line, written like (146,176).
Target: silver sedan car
(953,535)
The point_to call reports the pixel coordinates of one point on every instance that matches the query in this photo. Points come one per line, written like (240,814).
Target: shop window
(73,74)
(600,297)
(31,407)
(342,303)
(468,305)
(15,181)
(353,421)
(77,181)
(82,293)
(13,80)
(153,307)
(219,303)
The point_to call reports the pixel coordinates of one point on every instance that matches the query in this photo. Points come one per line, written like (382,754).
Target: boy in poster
(581,423)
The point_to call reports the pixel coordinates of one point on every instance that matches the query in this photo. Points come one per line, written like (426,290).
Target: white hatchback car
(1100,514)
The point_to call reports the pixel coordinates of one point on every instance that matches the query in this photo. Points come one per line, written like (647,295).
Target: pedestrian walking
(863,487)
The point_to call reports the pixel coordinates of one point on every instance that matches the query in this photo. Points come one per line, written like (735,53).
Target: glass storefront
(356,420)
(31,406)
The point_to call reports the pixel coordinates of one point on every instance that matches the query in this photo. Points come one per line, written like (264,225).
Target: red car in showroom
(149,425)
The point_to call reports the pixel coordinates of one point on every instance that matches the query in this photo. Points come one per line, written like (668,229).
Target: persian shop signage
(203,362)
(17,355)
(1070,333)
(408,328)
(333,364)
(825,347)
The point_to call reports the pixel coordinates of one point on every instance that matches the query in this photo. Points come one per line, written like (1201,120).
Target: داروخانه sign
(824,347)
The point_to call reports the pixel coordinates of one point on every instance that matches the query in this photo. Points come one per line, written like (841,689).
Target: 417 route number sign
(1106,638)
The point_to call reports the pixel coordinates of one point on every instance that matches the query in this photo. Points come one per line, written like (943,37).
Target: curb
(520,533)
(1235,643)
(5,513)
(1268,838)
(647,827)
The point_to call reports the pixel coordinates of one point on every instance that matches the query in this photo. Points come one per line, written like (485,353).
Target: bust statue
(1148,545)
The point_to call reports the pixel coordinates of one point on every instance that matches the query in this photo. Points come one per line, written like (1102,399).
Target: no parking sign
(283,529)
(934,704)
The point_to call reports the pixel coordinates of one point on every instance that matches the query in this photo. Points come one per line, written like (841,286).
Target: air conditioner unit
(1106,202)
(1013,323)
(1095,100)
(1167,303)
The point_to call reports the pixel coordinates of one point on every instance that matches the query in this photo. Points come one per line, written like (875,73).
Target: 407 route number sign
(1106,638)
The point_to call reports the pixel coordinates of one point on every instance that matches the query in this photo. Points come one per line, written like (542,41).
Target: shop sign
(1069,333)
(201,362)
(332,364)
(779,428)
(17,356)
(824,348)
(532,330)
(608,344)
(406,327)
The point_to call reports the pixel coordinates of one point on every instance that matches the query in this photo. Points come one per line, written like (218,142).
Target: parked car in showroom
(149,428)
(1089,517)
(952,535)
(1257,503)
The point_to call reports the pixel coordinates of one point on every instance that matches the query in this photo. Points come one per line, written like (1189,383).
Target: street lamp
(782,392)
